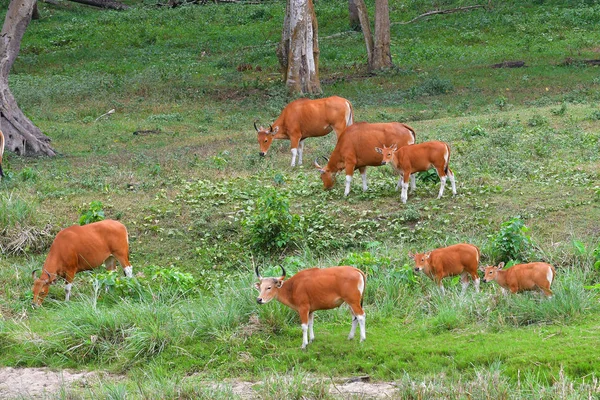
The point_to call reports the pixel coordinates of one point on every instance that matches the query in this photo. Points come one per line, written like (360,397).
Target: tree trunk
(298,51)
(382,56)
(36,13)
(113,5)
(353,16)
(21,135)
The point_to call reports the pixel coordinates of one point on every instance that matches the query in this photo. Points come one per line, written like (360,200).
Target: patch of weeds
(511,242)
(472,132)
(28,174)
(432,87)
(595,116)
(501,102)
(367,262)
(174,117)
(537,120)
(559,111)
(94,213)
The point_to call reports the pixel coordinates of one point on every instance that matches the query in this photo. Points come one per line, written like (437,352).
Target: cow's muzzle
(383,162)
(259,300)
(417,269)
(262,153)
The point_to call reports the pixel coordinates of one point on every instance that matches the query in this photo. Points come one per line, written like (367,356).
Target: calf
(521,277)
(82,248)
(417,158)
(355,149)
(304,118)
(459,259)
(317,289)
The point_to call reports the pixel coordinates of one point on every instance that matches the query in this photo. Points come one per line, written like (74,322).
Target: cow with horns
(317,289)
(304,118)
(82,248)
(355,149)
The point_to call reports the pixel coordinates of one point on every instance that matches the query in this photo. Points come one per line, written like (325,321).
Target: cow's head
(327,176)
(268,287)
(41,286)
(490,273)
(421,260)
(265,137)
(387,153)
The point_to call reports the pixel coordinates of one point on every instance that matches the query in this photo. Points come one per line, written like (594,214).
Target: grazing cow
(355,149)
(317,289)
(417,158)
(82,248)
(304,118)
(521,277)
(1,152)
(459,259)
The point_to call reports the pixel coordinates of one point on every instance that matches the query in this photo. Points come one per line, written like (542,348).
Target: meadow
(203,209)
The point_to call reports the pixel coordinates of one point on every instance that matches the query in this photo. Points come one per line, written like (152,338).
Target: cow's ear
(379,150)
(481,268)
(257,285)
(411,255)
(395,147)
(501,265)
(279,283)
(427,255)
(274,131)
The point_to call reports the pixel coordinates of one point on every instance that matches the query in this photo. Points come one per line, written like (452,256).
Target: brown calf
(417,158)
(459,259)
(355,149)
(82,248)
(521,277)
(317,289)
(305,118)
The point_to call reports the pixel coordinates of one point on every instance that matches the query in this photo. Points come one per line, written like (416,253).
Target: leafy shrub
(471,132)
(512,241)
(501,102)
(560,111)
(172,278)
(94,213)
(432,87)
(367,262)
(271,226)
(537,120)
(595,115)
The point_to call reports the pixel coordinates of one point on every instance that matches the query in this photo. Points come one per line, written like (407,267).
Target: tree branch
(435,12)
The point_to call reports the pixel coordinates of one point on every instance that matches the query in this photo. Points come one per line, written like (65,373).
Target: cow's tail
(1,152)
(447,161)
(362,295)
(412,132)
(349,114)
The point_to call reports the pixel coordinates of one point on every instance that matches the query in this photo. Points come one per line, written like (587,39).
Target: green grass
(524,143)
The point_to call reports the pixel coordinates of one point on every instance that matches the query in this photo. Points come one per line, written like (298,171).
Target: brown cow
(82,248)
(355,149)
(304,118)
(459,259)
(1,152)
(521,277)
(317,289)
(417,158)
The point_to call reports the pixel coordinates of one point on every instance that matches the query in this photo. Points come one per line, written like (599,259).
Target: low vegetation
(202,208)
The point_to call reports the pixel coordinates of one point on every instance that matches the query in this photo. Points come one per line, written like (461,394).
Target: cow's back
(453,260)
(315,117)
(526,276)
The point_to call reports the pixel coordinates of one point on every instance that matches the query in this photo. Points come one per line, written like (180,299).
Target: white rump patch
(361,284)
(549,275)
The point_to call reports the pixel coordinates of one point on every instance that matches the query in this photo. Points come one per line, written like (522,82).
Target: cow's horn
(255,127)
(271,127)
(33,273)
(317,164)
(257,273)
(283,273)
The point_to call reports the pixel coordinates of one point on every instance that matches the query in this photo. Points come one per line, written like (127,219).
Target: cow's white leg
(304,335)
(361,323)
(504,291)
(68,287)
(442,288)
(465,285)
(128,271)
(404,194)
(413,182)
(300,152)
(294,153)
(476,283)
(399,185)
(442,184)
(353,328)
(311,333)
(364,180)
(452,182)
(348,182)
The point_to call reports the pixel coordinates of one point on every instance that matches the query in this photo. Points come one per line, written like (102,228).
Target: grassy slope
(175,70)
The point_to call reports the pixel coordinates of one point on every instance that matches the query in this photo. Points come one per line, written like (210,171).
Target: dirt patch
(37,383)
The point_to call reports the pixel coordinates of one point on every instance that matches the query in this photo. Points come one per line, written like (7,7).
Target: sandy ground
(43,383)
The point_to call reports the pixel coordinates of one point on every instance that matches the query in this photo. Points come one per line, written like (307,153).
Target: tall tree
(21,135)
(379,55)
(298,51)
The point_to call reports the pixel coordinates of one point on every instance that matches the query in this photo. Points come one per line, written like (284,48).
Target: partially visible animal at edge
(1,153)
(317,289)
(459,259)
(418,158)
(82,248)
(355,149)
(304,118)
(522,277)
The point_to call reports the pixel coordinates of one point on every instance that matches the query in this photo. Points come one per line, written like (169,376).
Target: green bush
(512,242)
(94,213)
(271,226)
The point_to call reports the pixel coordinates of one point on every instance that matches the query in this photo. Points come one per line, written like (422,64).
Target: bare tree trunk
(298,51)
(21,135)
(382,56)
(353,16)
(363,16)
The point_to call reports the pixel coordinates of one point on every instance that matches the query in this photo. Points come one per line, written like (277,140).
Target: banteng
(304,118)
(521,277)
(317,289)
(355,149)
(417,158)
